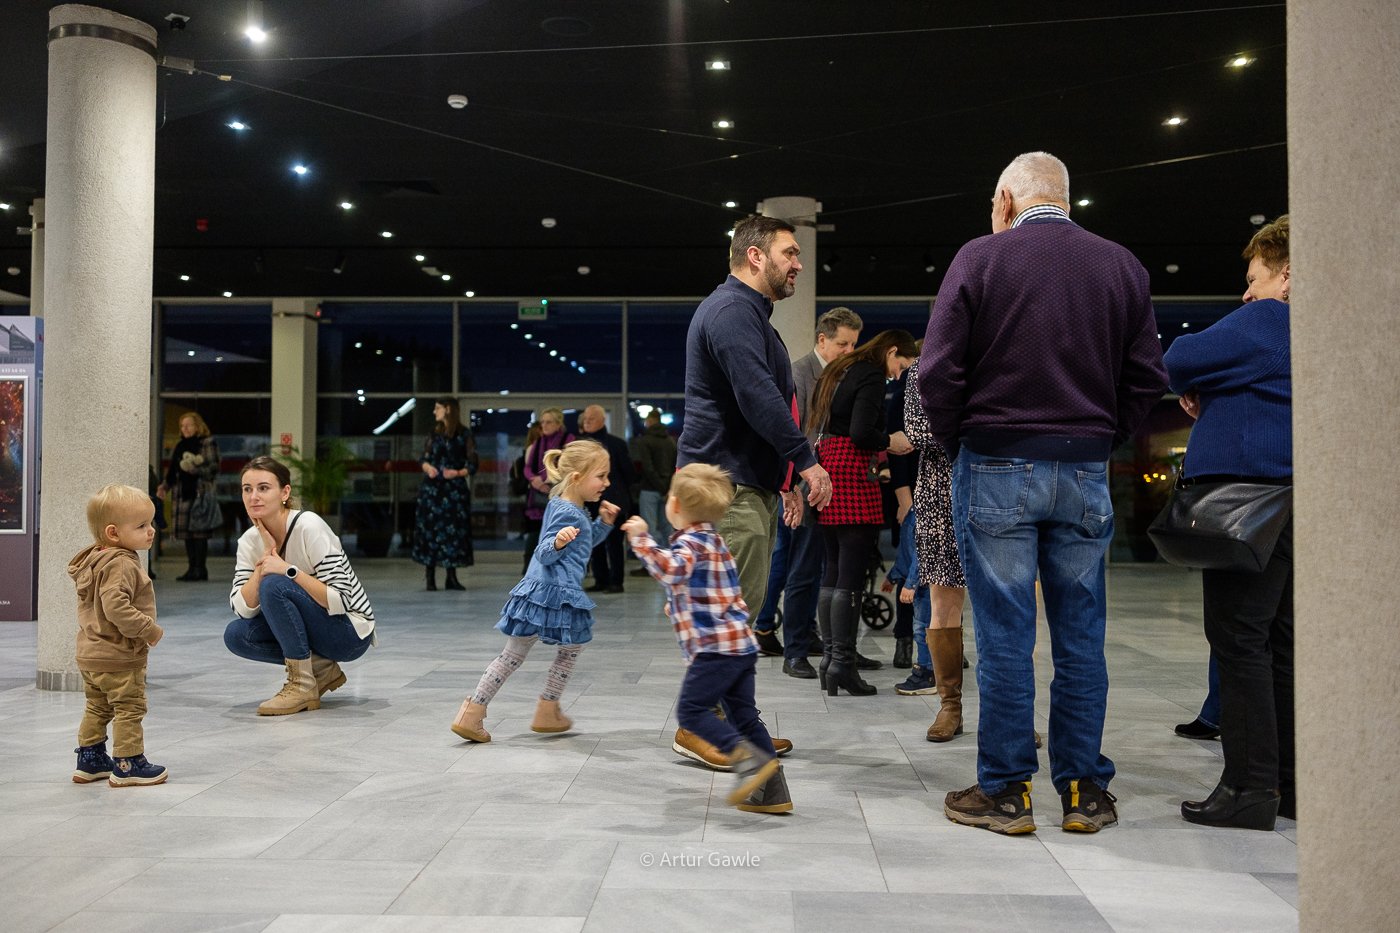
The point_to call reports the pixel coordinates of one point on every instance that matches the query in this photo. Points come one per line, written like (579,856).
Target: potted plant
(319,481)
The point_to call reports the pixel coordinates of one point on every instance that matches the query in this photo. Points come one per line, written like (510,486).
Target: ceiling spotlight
(1240,61)
(723,124)
(446,277)
(731,203)
(1173,121)
(419,257)
(184,278)
(228,294)
(4,206)
(929,265)
(300,169)
(549,223)
(237,125)
(1257,219)
(584,270)
(339,266)
(729,233)
(255,34)
(469,293)
(456,101)
(717,66)
(346,205)
(387,234)
(1083,202)
(1173,268)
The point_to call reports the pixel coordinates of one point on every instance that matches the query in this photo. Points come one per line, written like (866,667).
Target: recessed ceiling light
(549,223)
(346,205)
(387,234)
(723,124)
(300,169)
(729,233)
(228,294)
(4,206)
(1184,325)
(553,352)
(1173,121)
(470,294)
(446,277)
(189,353)
(1173,268)
(184,278)
(255,34)
(218,359)
(237,125)
(716,66)
(419,257)
(731,203)
(529,336)
(584,270)
(1083,202)
(1257,219)
(542,344)
(1240,61)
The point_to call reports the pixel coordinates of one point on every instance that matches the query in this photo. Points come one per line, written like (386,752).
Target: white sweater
(314,549)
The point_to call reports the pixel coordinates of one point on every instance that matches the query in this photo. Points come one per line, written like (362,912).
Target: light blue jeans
(292,625)
(1016,517)
(651,506)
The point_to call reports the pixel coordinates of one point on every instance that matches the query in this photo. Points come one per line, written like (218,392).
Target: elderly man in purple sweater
(1041,356)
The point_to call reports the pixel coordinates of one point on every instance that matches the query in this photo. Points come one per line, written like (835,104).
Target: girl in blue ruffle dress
(549,605)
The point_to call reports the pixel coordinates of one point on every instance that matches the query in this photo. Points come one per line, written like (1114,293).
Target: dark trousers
(806,560)
(1249,624)
(608,569)
(722,678)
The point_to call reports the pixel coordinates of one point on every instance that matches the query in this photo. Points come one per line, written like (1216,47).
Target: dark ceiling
(896,115)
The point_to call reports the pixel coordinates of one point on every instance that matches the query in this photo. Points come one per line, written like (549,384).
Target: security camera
(177,20)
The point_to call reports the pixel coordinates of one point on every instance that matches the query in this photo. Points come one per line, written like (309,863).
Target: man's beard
(778,284)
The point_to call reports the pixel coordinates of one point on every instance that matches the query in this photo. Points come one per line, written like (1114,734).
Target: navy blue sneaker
(134,771)
(94,763)
(919,683)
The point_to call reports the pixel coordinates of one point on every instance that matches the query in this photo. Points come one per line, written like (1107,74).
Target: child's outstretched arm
(668,565)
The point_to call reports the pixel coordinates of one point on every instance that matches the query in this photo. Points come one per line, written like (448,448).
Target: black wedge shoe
(1237,807)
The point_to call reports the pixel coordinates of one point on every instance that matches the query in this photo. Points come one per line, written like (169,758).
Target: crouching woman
(298,600)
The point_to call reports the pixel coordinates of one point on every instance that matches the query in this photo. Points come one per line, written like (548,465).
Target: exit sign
(533,312)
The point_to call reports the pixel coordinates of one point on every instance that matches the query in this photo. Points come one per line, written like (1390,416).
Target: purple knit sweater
(1042,344)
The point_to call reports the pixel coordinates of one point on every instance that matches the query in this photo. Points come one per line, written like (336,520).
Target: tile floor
(369,815)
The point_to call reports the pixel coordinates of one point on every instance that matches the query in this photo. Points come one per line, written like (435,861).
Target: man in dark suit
(607,557)
(1041,356)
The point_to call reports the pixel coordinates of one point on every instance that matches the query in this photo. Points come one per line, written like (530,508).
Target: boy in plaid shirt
(712,626)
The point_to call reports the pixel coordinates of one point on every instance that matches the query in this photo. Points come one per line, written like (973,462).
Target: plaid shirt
(702,591)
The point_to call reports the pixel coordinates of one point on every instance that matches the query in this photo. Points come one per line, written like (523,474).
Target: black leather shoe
(801,669)
(1195,729)
(1238,807)
(867,664)
(768,644)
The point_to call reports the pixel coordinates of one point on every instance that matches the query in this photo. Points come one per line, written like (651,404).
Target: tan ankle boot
(945,644)
(297,694)
(328,674)
(468,723)
(549,718)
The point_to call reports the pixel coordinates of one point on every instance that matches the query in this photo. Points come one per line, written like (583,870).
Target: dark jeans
(806,561)
(1249,623)
(714,678)
(292,625)
(608,568)
(1210,709)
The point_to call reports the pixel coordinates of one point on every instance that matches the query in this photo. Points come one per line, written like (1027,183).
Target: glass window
(1175,318)
(216,348)
(656,346)
(672,414)
(576,350)
(384,347)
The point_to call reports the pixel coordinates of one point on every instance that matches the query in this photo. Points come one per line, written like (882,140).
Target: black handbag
(205,514)
(1222,525)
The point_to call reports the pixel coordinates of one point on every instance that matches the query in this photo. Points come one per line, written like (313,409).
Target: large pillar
(1343,96)
(294,374)
(795,318)
(99,189)
(36,258)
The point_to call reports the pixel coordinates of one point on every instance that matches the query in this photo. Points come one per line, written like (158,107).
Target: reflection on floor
(370,815)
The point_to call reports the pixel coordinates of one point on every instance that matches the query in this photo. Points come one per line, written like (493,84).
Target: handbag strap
(282,551)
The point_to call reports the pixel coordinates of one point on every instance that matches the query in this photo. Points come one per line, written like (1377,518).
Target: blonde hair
(200,428)
(573,459)
(113,503)
(1270,244)
(703,492)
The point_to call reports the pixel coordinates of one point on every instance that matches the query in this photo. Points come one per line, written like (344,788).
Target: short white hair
(1035,176)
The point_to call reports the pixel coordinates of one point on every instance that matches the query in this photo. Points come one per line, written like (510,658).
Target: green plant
(319,481)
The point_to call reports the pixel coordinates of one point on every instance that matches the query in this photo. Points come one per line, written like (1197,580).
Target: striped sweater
(312,548)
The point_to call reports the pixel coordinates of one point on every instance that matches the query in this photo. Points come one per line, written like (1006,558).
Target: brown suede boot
(549,718)
(328,674)
(297,694)
(468,723)
(946,646)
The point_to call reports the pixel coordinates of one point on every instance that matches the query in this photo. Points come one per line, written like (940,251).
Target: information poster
(21,352)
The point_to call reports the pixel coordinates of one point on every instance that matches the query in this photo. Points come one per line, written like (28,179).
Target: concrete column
(100,203)
(294,373)
(1343,96)
(36,258)
(795,318)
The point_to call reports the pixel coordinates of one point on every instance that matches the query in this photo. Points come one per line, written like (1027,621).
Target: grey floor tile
(966,913)
(751,865)
(117,921)
(1201,901)
(38,892)
(164,835)
(683,911)
(509,876)
(341,923)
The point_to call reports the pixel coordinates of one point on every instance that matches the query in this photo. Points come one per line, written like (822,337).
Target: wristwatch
(291,571)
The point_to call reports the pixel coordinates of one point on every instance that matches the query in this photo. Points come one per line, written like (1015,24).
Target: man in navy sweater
(739,411)
(1041,356)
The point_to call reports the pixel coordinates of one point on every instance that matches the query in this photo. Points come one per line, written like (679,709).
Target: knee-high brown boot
(945,644)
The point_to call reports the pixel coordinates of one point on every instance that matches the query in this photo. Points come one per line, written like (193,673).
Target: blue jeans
(1210,709)
(651,505)
(292,625)
(1015,517)
(766,620)
(923,613)
(806,563)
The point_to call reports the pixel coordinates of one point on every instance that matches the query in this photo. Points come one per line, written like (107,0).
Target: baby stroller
(876,609)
